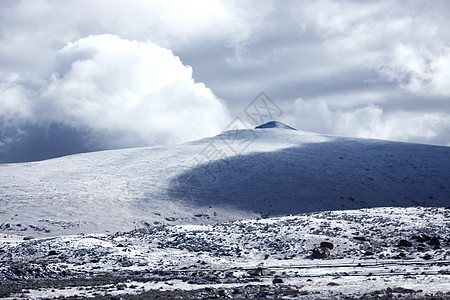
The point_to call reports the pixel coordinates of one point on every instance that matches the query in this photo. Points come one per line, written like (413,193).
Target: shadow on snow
(335,175)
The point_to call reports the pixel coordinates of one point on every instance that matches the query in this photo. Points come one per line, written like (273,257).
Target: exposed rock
(360,238)
(421,238)
(274,124)
(404,243)
(52,252)
(327,245)
(277,280)
(427,256)
(223,294)
(333,284)
(434,241)
(401,290)
(260,272)
(321,252)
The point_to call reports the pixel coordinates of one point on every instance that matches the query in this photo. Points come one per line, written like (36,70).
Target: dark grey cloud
(106,92)
(44,142)
(387,59)
(376,69)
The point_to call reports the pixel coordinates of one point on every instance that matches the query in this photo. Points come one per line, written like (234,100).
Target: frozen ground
(265,258)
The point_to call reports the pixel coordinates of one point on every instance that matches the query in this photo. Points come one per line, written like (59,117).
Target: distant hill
(237,174)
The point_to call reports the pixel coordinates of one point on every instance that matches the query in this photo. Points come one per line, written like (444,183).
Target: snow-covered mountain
(237,174)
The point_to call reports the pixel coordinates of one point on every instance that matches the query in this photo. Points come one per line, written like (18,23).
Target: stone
(404,243)
(237,291)
(277,280)
(327,245)
(260,272)
(321,252)
(223,294)
(434,241)
(427,256)
(421,238)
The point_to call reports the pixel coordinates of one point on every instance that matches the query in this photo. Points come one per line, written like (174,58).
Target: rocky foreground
(385,253)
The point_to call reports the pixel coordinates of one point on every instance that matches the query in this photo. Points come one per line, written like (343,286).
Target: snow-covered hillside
(378,253)
(237,174)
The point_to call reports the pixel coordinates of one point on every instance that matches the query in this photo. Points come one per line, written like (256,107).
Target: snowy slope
(235,175)
(382,253)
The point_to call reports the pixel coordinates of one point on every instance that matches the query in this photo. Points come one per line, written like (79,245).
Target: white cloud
(15,110)
(34,30)
(369,121)
(362,63)
(125,92)
(404,44)
(14,103)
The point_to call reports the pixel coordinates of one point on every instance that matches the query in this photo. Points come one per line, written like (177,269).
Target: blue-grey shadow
(334,175)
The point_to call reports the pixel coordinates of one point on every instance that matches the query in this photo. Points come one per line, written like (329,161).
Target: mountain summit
(274,124)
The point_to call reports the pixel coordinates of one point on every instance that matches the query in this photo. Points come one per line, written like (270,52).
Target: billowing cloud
(123,93)
(375,69)
(365,68)
(35,29)
(139,89)
(15,110)
(403,44)
(369,121)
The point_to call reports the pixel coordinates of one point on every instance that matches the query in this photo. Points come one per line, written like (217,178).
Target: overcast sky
(88,75)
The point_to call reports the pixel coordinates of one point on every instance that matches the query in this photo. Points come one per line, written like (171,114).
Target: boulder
(260,272)
(434,241)
(421,238)
(321,252)
(327,245)
(427,256)
(277,280)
